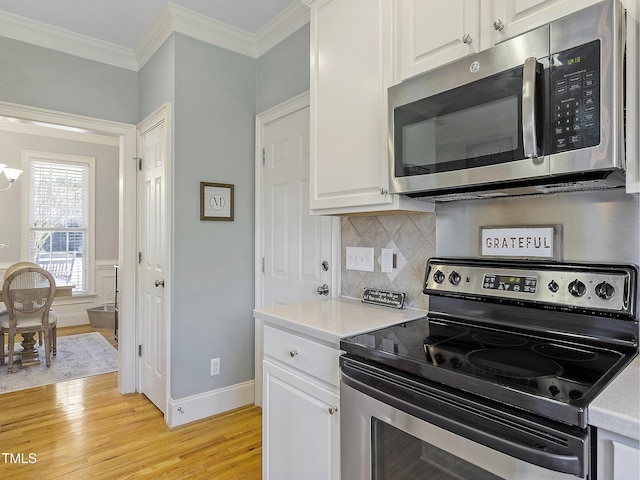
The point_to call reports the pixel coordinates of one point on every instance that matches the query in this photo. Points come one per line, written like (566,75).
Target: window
(60,202)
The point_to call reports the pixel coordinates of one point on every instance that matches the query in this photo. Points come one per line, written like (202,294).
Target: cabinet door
(509,18)
(434,32)
(618,457)
(300,427)
(350,73)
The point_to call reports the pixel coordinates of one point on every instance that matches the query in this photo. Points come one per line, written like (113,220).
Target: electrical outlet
(359,258)
(215,366)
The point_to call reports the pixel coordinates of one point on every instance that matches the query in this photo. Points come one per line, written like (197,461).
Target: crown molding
(288,22)
(172,19)
(54,38)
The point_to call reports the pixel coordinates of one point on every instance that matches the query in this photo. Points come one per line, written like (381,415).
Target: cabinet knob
(498,26)
(293,353)
(383,191)
(333,410)
(467,39)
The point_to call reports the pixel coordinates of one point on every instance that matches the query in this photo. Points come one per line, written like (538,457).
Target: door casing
(127,255)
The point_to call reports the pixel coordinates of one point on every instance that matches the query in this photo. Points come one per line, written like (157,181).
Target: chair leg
(54,340)
(2,342)
(40,337)
(11,345)
(47,347)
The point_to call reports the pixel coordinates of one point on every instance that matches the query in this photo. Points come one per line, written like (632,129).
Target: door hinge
(139,257)
(264,156)
(262,264)
(139,350)
(139,160)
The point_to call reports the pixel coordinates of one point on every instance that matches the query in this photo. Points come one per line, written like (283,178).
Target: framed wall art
(216,201)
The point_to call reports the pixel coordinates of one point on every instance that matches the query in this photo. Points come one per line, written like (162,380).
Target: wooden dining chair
(54,331)
(28,293)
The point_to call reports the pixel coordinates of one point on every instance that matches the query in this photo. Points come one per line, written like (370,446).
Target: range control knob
(553,286)
(438,277)
(439,358)
(605,290)
(454,278)
(577,288)
(553,390)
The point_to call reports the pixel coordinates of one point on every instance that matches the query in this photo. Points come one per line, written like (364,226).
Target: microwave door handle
(529,140)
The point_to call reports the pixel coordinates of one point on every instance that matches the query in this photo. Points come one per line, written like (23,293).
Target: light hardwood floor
(85,429)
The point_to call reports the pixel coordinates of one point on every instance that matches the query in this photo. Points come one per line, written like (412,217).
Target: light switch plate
(386,260)
(360,258)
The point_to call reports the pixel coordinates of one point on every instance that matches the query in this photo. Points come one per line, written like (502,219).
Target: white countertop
(617,408)
(329,320)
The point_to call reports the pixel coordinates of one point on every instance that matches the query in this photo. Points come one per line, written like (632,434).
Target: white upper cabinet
(351,69)
(509,18)
(431,33)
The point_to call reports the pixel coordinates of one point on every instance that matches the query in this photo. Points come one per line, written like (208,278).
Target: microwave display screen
(461,128)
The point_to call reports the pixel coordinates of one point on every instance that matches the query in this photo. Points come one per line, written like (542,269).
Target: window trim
(32,155)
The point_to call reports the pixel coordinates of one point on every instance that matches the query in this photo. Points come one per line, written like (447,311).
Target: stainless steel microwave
(540,112)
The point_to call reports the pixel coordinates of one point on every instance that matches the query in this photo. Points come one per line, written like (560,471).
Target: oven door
(443,437)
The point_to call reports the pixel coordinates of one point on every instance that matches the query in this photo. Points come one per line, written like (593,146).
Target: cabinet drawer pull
(293,353)
(332,410)
(466,39)
(498,26)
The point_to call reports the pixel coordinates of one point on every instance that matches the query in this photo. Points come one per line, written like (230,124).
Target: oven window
(396,455)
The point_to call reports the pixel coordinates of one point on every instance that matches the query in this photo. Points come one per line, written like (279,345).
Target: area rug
(79,356)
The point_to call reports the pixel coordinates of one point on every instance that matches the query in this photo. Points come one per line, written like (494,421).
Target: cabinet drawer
(306,355)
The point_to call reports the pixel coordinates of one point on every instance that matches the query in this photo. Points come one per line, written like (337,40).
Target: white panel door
(151,266)
(295,244)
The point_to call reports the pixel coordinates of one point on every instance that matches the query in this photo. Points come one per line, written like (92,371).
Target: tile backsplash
(413,240)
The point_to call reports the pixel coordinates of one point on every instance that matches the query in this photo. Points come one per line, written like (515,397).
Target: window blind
(59,219)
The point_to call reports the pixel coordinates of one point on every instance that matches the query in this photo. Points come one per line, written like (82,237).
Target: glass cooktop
(481,359)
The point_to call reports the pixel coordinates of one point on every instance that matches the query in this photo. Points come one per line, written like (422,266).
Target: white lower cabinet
(618,457)
(300,416)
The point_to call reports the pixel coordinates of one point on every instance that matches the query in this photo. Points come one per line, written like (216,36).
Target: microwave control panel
(575,98)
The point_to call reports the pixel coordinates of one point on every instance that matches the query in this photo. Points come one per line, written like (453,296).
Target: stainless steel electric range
(496,381)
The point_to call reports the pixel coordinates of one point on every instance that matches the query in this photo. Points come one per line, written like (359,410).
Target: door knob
(323,289)
(159,283)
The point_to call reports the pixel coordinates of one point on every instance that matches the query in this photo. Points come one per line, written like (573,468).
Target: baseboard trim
(197,407)
(72,319)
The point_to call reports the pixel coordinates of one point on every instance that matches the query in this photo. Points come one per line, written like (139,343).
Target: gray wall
(39,77)
(157,80)
(283,71)
(11,220)
(213,261)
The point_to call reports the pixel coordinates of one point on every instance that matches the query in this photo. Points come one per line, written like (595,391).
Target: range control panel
(609,289)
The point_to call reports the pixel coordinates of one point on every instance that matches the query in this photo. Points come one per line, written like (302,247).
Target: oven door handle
(436,408)
(529,137)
